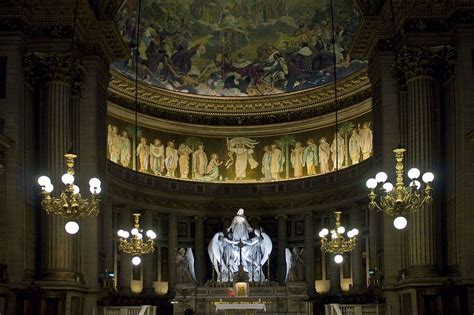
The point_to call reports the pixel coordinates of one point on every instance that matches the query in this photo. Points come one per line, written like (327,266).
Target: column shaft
(309,251)
(125,271)
(147,223)
(356,255)
(199,250)
(172,248)
(282,244)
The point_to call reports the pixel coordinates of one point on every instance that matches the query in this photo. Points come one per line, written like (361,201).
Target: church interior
(236,157)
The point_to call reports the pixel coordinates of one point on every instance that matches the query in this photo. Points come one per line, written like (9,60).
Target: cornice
(239,111)
(283,128)
(50,19)
(166,195)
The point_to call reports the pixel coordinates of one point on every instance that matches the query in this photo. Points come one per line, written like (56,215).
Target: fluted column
(309,251)
(147,224)
(57,75)
(125,271)
(200,249)
(172,248)
(356,254)
(419,66)
(282,244)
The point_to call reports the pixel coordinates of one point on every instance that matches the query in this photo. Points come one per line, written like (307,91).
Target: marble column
(200,249)
(356,255)
(282,244)
(309,252)
(334,269)
(146,222)
(56,121)
(172,248)
(421,152)
(125,271)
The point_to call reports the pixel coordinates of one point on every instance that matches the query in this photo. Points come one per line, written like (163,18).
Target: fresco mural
(240,159)
(238,47)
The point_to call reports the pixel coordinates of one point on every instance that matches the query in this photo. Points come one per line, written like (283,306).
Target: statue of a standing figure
(294,265)
(240,227)
(185,266)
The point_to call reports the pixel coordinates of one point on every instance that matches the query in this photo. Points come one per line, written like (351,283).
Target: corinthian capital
(40,68)
(425,61)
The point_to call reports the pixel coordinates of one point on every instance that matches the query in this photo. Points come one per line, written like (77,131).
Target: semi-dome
(238,48)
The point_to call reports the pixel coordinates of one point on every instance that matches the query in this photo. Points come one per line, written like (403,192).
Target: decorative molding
(238,110)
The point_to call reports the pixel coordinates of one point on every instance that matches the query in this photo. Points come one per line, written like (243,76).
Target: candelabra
(338,244)
(136,246)
(70,203)
(401,200)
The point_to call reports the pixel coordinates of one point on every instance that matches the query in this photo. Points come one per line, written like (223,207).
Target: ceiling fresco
(238,47)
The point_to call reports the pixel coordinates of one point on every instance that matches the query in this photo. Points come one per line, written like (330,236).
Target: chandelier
(136,246)
(70,203)
(401,200)
(338,244)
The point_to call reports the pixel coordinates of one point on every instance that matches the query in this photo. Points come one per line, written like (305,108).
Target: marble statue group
(240,251)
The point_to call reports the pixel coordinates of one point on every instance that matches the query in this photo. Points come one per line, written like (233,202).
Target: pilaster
(309,251)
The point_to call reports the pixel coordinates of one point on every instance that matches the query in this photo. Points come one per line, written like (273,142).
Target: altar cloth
(241,306)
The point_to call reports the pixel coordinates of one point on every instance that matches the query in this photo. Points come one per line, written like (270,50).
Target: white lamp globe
(139,236)
(67,179)
(134,231)
(136,260)
(125,234)
(400,223)
(414,173)
(75,189)
(341,230)
(338,259)
(71,227)
(350,234)
(95,190)
(150,234)
(49,188)
(381,177)
(371,183)
(388,186)
(325,231)
(333,235)
(355,232)
(428,177)
(94,182)
(120,233)
(43,181)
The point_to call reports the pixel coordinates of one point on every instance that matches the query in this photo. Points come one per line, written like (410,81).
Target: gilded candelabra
(70,203)
(136,246)
(338,244)
(401,200)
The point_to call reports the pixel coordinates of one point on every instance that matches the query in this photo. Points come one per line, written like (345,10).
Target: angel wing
(266,247)
(190,258)
(215,250)
(288,263)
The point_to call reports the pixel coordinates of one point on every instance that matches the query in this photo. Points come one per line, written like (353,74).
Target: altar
(240,308)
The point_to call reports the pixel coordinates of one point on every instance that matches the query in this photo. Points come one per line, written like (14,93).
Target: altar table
(230,308)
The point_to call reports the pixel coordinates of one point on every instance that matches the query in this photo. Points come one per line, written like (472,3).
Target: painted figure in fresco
(143,153)
(365,140)
(157,157)
(212,170)
(297,161)
(354,147)
(277,162)
(184,151)
(114,144)
(310,156)
(171,159)
(199,162)
(324,151)
(240,227)
(125,149)
(266,163)
(243,149)
(339,152)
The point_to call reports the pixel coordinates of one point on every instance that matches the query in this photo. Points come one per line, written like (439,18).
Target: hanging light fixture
(337,244)
(70,203)
(400,200)
(136,246)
